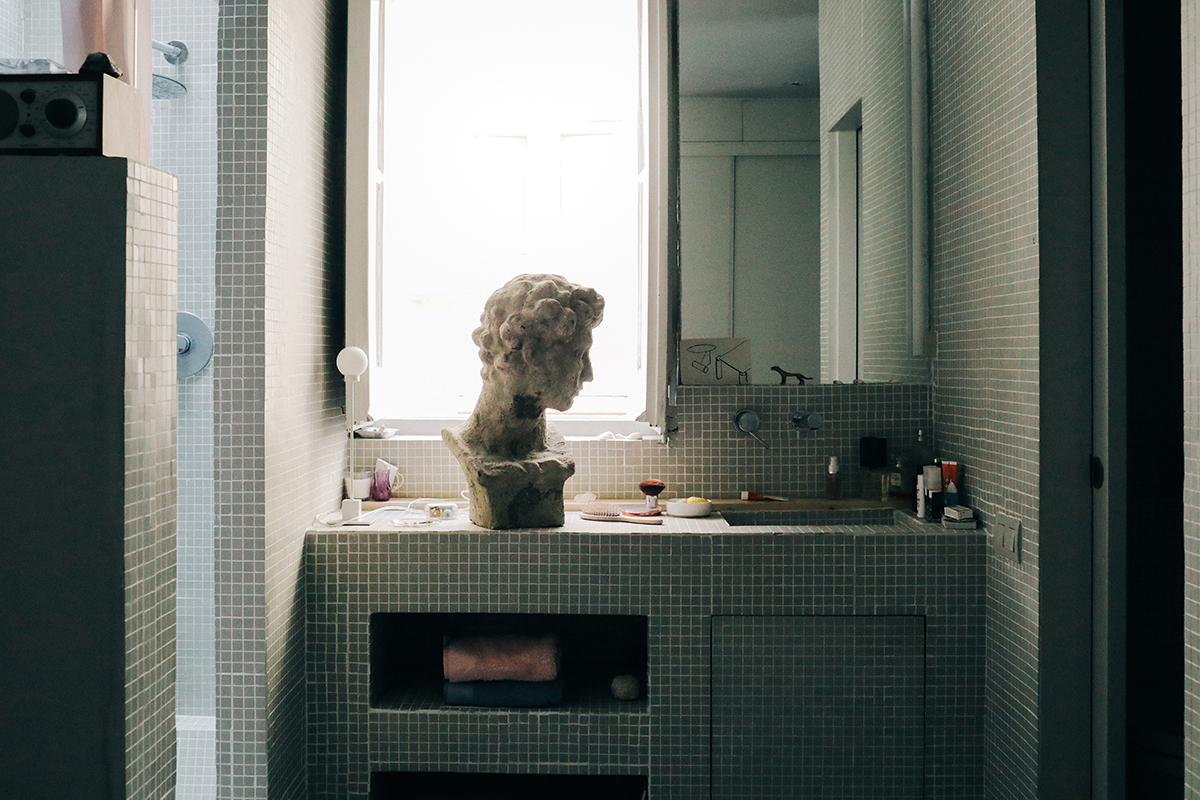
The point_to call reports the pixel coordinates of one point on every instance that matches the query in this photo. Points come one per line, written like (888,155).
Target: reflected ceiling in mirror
(748,48)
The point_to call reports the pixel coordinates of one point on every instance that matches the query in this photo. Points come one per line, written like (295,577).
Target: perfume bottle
(896,479)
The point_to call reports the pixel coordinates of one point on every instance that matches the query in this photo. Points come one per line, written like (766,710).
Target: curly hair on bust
(530,319)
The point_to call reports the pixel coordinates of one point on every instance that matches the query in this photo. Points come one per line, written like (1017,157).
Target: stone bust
(534,337)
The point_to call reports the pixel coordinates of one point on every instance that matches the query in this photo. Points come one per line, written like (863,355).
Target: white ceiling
(748,48)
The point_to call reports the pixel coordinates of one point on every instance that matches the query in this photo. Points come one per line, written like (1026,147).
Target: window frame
(362,50)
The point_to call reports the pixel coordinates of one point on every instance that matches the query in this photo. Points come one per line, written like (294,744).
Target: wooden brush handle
(622,518)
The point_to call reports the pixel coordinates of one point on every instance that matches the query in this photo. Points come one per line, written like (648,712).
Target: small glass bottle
(896,479)
(833,481)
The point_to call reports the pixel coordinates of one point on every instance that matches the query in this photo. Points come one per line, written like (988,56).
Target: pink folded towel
(507,657)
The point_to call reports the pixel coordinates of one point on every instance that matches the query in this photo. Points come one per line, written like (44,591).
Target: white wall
(750,228)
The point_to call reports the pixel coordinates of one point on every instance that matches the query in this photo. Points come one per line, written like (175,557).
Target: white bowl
(679,507)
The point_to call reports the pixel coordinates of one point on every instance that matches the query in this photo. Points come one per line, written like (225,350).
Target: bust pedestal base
(506,493)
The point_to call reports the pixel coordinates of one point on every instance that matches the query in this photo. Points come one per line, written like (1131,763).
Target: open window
(490,138)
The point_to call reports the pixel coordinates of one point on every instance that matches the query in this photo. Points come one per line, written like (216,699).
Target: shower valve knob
(807,420)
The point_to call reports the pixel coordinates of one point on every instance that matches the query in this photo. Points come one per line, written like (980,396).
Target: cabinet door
(818,707)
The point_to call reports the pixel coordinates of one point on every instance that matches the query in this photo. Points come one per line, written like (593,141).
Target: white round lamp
(352,362)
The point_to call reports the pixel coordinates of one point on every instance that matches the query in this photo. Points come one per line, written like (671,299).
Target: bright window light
(510,143)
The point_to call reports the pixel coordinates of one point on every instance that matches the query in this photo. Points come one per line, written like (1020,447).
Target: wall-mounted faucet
(806,420)
(747,422)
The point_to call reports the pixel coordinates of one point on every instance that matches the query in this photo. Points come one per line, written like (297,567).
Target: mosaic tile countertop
(870,638)
(811,521)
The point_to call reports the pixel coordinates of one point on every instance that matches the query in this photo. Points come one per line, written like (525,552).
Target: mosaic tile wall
(985,285)
(12,32)
(30,29)
(679,582)
(278,442)
(849,31)
(150,410)
(1190,10)
(238,403)
(305,439)
(707,455)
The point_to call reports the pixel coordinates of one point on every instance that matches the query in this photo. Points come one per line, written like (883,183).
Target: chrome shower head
(167,88)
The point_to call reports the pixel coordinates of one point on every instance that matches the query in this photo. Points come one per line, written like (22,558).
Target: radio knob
(64,115)
(27,130)
(28,95)
(61,113)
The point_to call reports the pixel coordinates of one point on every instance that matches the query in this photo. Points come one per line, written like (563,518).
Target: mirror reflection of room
(796,188)
(750,181)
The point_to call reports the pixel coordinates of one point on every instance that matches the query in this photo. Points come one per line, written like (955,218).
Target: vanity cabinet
(769,661)
(828,706)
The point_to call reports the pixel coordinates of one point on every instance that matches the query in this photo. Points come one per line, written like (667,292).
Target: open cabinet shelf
(493,786)
(406,658)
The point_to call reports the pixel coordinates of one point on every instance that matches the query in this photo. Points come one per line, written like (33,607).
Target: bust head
(534,336)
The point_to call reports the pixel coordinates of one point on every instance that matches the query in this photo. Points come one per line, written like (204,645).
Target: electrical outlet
(1005,536)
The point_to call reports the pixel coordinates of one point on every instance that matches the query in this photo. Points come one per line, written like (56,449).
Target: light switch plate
(1005,536)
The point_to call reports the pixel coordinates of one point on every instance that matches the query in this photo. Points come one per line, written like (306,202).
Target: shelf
(406,657)
(586,700)
(496,786)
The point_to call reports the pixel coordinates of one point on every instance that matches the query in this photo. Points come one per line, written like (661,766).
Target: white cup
(351,509)
(358,486)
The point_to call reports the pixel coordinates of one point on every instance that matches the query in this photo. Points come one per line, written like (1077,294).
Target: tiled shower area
(184,144)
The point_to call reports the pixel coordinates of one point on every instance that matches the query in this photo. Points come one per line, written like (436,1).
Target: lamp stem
(350,424)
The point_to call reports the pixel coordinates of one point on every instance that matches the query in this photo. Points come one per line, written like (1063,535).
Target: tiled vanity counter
(739,624)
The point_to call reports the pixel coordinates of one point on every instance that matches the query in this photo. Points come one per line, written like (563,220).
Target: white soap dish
(375,433)
(680,507)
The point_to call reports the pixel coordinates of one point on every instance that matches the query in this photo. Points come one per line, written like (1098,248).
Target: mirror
(802,208)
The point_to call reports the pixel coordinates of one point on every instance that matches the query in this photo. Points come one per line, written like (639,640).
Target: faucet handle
(806,420)
(748,423)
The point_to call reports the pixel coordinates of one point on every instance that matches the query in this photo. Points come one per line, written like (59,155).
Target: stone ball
(625,687)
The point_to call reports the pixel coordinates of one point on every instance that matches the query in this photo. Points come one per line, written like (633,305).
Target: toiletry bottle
(936,505)
(833,481)
(931,487)
(951,494)
(920,457)
(896,482)
(922,452)
(950,475)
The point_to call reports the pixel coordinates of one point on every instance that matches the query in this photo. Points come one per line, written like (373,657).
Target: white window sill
(572,430)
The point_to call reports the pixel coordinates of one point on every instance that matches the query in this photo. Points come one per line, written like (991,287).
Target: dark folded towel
(524,694)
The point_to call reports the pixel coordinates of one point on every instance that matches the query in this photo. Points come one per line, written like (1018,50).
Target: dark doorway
(1154,257)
